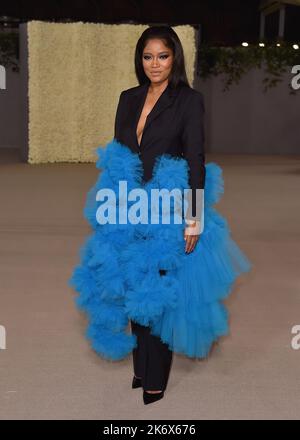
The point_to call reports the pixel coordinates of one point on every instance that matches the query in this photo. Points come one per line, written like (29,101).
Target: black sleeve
(118,116)
(193,143)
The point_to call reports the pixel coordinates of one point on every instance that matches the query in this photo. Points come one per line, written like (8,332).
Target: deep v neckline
(140,111)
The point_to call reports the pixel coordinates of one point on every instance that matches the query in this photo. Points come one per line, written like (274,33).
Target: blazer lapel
(164,101)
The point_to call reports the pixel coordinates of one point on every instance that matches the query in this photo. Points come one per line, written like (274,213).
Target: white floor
(48,369)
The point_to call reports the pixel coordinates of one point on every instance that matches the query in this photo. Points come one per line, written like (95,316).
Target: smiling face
(157,60)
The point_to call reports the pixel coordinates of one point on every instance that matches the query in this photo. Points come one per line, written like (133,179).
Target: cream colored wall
(76,74)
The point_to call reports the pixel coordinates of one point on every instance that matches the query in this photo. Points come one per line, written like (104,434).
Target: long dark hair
(170,38)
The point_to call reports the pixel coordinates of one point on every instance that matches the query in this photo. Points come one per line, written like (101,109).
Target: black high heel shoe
(136,382)
(152,397)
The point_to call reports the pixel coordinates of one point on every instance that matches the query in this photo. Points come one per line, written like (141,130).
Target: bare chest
(147,108)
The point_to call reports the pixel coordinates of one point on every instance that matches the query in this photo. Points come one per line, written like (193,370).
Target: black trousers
(152,359)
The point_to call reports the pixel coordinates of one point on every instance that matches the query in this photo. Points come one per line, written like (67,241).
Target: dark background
(226,22)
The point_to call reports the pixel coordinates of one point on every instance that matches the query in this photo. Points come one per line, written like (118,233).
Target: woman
(166,279)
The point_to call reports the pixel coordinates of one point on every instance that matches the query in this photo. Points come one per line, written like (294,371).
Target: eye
(164,57)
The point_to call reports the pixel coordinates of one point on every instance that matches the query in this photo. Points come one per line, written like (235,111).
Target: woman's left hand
(191,235)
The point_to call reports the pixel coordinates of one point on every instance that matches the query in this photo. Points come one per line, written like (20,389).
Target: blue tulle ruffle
(118,277)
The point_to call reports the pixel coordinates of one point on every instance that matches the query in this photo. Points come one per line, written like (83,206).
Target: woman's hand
(191,235)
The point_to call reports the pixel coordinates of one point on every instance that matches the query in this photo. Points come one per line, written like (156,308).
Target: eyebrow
(147,53)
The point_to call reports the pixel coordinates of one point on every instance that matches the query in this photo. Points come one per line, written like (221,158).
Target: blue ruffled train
(118,276)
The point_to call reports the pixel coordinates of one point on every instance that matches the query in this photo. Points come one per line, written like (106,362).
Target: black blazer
(175,126)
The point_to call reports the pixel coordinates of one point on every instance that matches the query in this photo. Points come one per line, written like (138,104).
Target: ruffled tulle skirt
(118,277)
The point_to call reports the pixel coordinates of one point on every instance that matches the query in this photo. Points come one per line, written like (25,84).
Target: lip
(155,73)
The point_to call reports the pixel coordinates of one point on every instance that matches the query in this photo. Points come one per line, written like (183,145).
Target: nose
(155,63)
